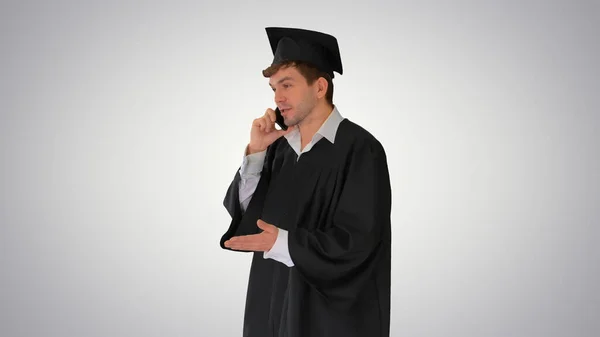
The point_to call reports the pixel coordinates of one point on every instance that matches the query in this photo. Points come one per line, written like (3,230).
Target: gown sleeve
(339,257)
(244,222)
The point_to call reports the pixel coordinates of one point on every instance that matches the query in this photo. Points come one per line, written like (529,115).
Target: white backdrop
(123,123)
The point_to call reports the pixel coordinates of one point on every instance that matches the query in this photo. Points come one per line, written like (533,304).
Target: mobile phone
(279,119)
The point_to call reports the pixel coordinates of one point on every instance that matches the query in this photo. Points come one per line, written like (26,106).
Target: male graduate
(313,204)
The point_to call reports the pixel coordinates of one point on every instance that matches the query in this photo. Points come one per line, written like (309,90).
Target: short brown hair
(308,71)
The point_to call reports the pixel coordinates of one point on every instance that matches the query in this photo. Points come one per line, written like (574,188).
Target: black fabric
(335,201)
(316,48)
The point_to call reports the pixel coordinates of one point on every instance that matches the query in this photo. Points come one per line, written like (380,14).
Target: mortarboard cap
(294,44)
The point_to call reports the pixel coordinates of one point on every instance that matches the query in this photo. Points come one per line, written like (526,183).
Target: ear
(321,86)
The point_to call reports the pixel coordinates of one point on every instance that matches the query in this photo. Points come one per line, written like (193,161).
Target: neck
(311,124)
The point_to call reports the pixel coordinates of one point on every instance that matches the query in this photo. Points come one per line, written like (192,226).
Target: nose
(279,97)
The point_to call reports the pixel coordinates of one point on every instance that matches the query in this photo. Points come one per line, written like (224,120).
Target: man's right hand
(263,132)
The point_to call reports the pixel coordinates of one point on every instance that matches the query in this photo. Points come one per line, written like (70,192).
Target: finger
(261,124)
(258,123)
(265,122)
(268,124)
(252,248)
(246,238)
(262,225)
(246,245)
(267,119)
(271,114)
(255,245)
(265,226)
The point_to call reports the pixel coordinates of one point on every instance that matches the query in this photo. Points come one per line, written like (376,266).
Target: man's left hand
(262,242)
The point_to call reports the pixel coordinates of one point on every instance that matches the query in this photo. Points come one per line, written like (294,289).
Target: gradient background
(123,123)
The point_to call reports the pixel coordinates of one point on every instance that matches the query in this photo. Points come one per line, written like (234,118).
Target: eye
(287,85)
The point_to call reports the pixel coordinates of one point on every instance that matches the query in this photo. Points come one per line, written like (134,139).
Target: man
(313,204)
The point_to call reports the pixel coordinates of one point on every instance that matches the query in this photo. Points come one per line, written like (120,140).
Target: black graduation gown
(335,201)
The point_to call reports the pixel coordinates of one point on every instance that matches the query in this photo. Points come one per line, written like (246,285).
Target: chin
(290,121)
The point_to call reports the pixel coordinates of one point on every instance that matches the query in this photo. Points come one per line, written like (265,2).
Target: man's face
(293,96)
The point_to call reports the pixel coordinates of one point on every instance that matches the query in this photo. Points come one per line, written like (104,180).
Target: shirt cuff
(253,163)
(280,251)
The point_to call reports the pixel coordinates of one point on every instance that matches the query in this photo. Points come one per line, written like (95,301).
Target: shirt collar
(328,129)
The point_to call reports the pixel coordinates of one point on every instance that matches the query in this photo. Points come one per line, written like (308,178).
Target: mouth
(283,111)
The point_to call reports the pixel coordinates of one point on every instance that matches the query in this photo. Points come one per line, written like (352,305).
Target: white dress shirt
(251,168)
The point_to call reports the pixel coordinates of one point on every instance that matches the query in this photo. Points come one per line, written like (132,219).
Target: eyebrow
(283,79)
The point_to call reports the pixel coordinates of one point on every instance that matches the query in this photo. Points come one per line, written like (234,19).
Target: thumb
(265,226)
(285,132)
